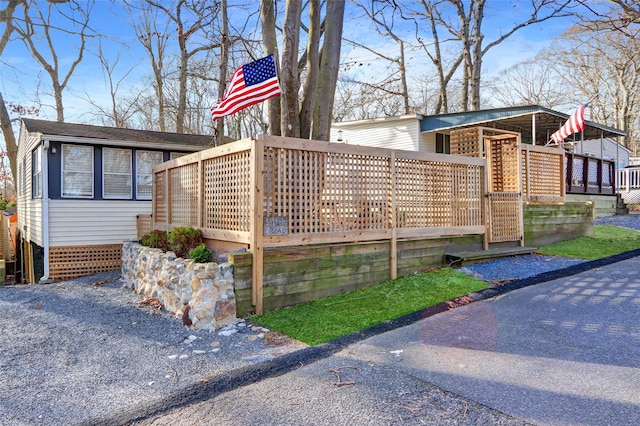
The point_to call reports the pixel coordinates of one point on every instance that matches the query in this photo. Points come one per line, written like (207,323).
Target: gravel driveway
(83,350)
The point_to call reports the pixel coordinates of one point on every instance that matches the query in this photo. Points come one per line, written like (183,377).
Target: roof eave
(124,143)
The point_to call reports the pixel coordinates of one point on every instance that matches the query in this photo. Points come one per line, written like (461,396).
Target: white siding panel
(31,225)
(428,142)
(29,210)
(80,222)
(399,134)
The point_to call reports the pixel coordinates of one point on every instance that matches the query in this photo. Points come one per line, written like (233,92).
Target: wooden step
(468,257)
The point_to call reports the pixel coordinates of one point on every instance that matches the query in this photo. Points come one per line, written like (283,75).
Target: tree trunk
(476,60)
(270,43)
(329,66)
(182,75)
(313,69)
(290,78)
(224,64)
(9,139)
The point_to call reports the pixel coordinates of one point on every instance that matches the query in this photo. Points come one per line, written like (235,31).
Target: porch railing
(589,175)
(628,185)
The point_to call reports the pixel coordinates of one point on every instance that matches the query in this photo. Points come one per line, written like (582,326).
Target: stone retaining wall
(200,293)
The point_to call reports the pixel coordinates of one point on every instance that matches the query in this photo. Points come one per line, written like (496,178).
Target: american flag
(574,124)
(250,84)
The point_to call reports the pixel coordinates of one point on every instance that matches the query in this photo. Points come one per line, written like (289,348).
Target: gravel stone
(526,266)
(72,352)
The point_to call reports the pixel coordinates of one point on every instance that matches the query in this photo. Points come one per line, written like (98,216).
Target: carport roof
(518,119)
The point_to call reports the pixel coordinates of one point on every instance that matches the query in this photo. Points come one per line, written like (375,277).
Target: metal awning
(517,119)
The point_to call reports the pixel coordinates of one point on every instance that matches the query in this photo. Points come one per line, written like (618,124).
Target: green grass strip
(336,316)
(607,240)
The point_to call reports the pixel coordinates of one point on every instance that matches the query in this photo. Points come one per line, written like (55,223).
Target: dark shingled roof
(54,128)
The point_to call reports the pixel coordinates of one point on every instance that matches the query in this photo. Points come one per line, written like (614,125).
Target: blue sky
(22,77)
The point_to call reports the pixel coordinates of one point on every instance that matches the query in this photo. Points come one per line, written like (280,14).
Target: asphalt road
(561,352)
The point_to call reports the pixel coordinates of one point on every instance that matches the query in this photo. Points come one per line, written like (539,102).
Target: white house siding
(606,149)
(401,133)
(428,142)
(94,222)
(29,209)
(30,220)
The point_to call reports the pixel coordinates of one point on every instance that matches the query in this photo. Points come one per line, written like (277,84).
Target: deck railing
(300,191)
(628,185)
(589,175)
(542,174)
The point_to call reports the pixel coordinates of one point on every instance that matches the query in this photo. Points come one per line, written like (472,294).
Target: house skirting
(77,261)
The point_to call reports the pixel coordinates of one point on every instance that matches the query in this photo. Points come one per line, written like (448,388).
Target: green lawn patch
(336,316)
(607,240)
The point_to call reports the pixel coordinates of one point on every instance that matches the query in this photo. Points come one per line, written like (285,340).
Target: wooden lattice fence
(272,192)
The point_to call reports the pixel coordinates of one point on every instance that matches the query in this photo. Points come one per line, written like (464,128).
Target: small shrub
(155,239)
(183,239)
(201,254)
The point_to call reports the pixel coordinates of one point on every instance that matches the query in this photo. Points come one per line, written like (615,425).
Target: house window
(116,175)
(77,171)
(36,173)
(443,143)
(145,160)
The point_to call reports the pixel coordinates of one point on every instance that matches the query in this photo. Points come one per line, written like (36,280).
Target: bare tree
(118,114)
(329,67)
(6,19)
(38,22)
(224,64)
(312,69)
(469,33)
(154,39)
(270,43)
(530,82)
(292,66)
(290,78)
(605,70)
(395,82)
(193,19)
(630,9)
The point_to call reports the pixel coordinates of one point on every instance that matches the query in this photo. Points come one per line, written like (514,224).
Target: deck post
(257,222)
(200,189)
(393,246)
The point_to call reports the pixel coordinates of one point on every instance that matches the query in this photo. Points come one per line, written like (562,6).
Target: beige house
(80,188)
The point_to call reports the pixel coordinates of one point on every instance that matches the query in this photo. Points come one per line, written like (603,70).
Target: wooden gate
(504,197)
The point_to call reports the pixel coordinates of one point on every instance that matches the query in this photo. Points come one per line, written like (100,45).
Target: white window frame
(140,176)
(112,173)
(36,172)
(89,173)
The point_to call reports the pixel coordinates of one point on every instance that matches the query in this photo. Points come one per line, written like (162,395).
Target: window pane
(77,171)
(145,160)
(77,184)
(117,160)
(36,173)
(77,158)
(116,182)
